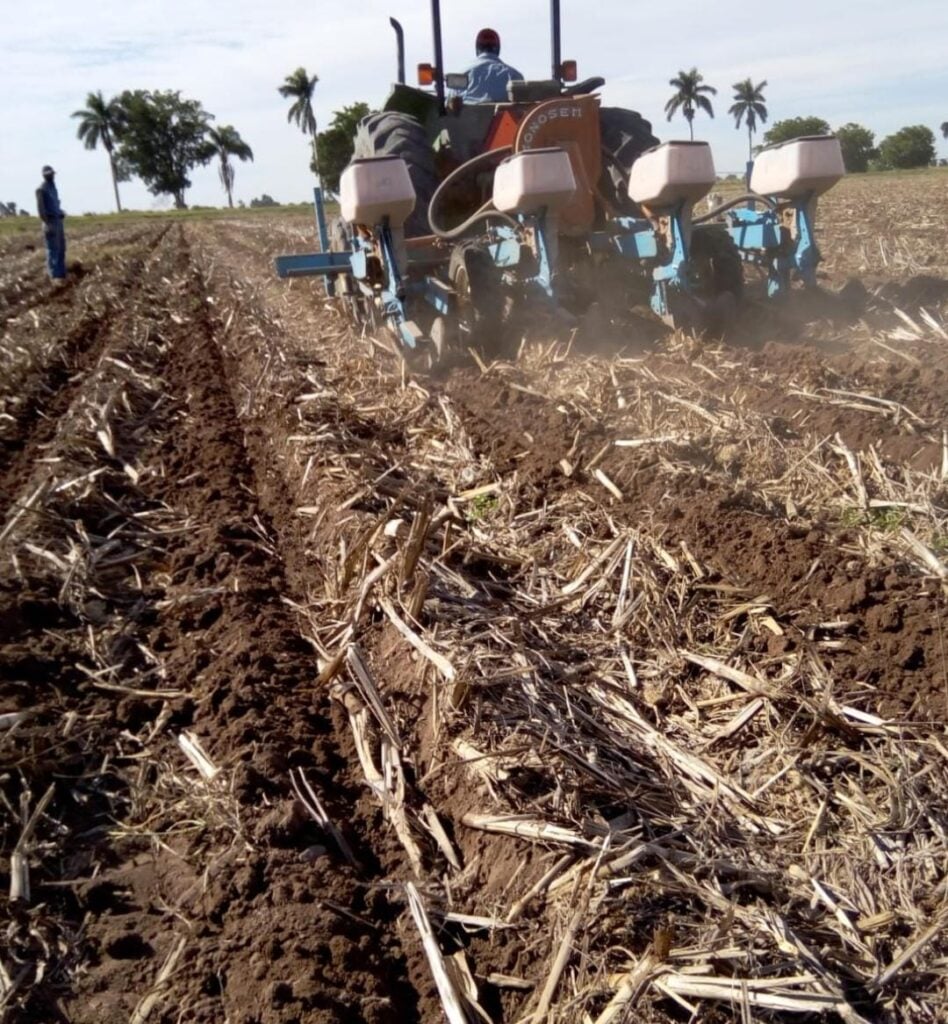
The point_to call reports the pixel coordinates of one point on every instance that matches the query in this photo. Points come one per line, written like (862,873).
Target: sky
(881,63)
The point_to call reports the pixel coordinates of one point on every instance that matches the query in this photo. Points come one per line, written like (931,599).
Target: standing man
(51,214)
(488,76)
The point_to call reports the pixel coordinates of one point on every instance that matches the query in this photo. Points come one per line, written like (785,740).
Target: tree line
(159,137)
(912,146)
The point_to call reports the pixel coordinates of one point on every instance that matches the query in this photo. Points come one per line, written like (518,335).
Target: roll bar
(438,53)
(556,54)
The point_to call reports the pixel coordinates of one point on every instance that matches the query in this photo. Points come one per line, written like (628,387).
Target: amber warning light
(425,74)
(569,71)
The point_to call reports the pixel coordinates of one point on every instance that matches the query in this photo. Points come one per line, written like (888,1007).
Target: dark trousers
(56,249)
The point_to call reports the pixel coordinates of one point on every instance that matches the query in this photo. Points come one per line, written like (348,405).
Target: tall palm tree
(749,106)
(690,97)
(300,88)
(944,129)
(226,143)
(101,121)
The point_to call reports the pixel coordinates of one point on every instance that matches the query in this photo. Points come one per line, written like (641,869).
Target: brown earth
(197,466)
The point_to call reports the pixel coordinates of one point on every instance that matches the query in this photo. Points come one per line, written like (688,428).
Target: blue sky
(878,62)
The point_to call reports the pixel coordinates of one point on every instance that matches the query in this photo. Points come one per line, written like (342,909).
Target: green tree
(227,143)
(163,137)
(794,128)
(913,146)
(101,121)
(299,87)
(334,145)
(264,200)
(858,145)
(749,105)
(690,97)
(944,129)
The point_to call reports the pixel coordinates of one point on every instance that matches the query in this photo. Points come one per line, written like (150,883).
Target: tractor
(453,214)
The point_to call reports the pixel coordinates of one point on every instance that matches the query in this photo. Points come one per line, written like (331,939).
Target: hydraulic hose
(486,213)
(731,203)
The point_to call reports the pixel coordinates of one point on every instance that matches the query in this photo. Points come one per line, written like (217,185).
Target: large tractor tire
(394,134)
(624,135)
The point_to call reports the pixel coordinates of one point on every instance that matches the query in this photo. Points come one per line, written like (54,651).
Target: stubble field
(605,682)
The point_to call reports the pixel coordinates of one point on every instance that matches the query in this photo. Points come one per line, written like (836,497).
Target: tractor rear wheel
(624,136)
(394,134)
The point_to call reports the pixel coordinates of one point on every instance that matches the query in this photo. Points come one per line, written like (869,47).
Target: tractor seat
(549,89)
(533,92)
(586,86)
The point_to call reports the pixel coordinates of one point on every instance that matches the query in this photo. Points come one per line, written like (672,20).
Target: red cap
(487,39)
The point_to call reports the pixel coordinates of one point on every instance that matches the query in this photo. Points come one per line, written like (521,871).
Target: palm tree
(101,121)
(749,106)
(690,97)
(944,129)
(300,88)
(226,142)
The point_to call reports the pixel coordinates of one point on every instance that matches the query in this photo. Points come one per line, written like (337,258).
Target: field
(605,682)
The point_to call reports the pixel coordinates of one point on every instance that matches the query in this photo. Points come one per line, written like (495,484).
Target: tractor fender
(571,122)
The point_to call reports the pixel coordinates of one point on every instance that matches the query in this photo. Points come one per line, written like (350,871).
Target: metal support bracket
(806,254)
(671,279)
(392,298)
(316,264)
(762,242)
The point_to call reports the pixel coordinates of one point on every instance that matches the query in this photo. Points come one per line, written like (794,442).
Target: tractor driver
(488,76)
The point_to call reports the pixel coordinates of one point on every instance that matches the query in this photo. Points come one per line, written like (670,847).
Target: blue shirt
(487,80)
(47,201)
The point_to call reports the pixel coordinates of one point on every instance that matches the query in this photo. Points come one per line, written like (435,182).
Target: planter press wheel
(480,301)
(348,300)
(717,273)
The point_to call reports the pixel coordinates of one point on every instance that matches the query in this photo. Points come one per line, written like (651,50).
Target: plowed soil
(207,483)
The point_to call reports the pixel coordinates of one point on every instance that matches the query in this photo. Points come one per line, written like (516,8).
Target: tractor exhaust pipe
(400,43)
(556,40)
(438,53)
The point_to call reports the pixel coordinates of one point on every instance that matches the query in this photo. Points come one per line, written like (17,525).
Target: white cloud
(873,61)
